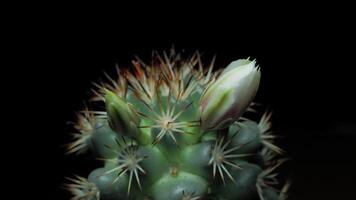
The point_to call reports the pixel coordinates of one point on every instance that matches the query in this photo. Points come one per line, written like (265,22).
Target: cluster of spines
(221,156)
(127,161)
(81,188)
(161,75)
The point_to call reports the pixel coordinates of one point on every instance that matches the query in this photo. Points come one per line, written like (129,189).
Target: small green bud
(122,116)
(230,95)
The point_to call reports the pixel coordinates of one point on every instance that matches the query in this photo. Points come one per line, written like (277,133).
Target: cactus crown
(170,126)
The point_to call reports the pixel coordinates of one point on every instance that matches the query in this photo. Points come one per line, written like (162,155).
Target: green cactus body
(155,143)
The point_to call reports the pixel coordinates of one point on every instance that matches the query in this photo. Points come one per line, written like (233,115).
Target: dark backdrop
(306,79)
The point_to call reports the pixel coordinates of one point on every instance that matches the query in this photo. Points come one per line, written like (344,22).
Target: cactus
(176,130)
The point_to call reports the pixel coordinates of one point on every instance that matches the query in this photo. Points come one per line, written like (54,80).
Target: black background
(306,58)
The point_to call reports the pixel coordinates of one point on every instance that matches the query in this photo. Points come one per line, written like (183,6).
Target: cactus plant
(176,130)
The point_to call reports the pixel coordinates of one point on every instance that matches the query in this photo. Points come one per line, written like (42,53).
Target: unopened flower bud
(229,96)
(122,116)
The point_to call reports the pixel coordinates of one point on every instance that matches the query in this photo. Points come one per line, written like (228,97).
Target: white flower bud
(230,95)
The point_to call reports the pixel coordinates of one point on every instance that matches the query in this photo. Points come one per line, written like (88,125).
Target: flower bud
(122,116)
(229,96)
